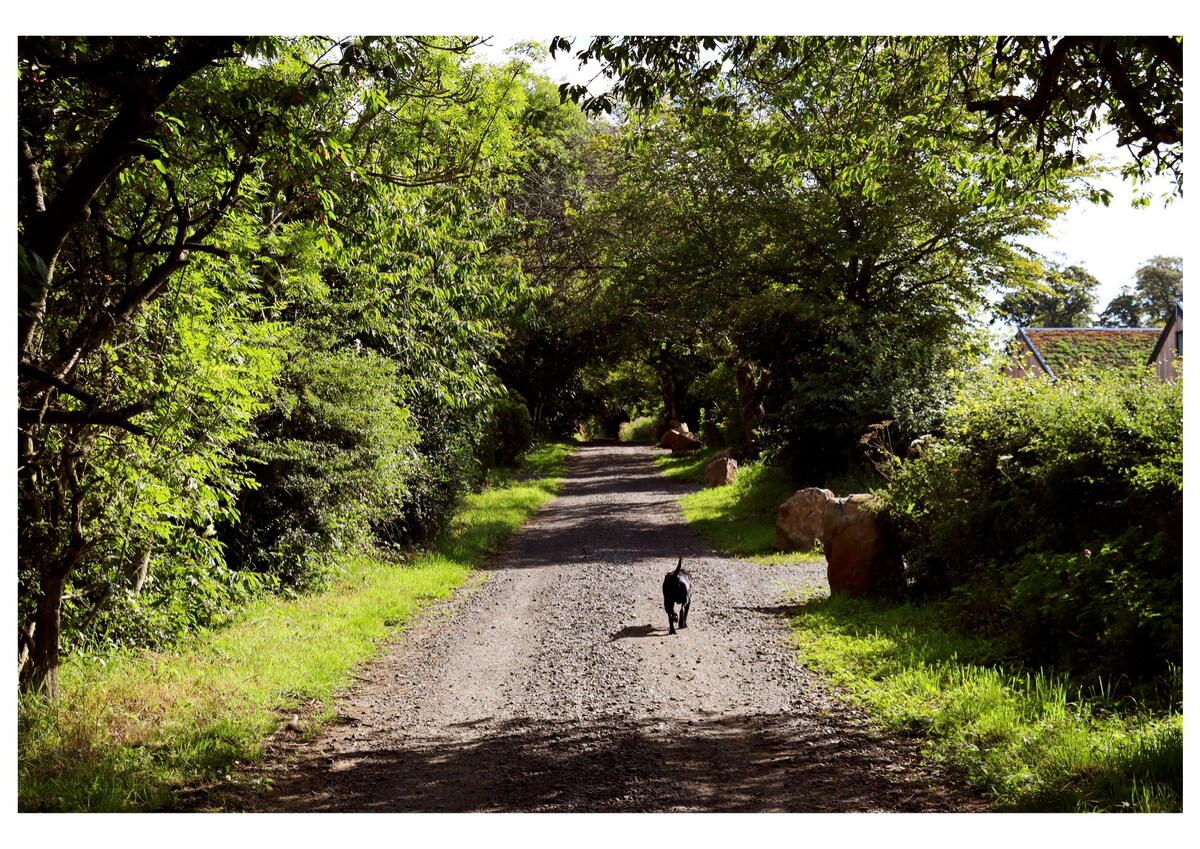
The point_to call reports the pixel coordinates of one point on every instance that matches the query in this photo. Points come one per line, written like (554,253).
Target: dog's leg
(683,613)
(670,616)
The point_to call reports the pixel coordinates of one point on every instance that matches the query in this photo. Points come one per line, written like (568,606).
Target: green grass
(131,731)
(738,519)
(1030,741)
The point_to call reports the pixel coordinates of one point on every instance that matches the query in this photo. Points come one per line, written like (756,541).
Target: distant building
(1072,351)
(1170,345)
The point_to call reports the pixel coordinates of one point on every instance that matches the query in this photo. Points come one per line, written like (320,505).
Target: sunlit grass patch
(1033,741)
(738,519)
(685,466)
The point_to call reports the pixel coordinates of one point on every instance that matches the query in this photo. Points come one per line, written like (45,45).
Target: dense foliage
(257,306)
(761,250)
(1052,511)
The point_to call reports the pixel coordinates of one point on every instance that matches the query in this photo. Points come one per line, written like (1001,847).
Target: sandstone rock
(720,471)
(860,562)
(677,440)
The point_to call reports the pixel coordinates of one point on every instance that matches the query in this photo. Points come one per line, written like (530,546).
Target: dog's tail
(678,566)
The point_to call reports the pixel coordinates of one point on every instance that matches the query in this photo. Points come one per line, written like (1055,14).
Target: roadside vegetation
(738,519)
(1030,740)
(152,730)
(1037,650)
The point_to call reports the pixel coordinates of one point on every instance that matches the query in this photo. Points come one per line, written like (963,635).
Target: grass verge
(1030,742)
(738,519)
(131,731)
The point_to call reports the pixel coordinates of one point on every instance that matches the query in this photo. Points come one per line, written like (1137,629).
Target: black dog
(677,589)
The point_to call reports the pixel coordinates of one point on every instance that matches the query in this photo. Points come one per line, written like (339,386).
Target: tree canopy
(1149,302)
(1051,92)
(202,223)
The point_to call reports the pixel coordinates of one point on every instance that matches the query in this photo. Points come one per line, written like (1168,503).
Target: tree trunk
(666,384)
(40,672)
(751,394)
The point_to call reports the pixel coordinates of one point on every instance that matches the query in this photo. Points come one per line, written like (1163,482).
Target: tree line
(282,296)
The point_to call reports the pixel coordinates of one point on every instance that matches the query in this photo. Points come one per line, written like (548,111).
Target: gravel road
(551,684)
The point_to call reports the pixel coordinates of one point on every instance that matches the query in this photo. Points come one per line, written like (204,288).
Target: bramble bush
(1051,513)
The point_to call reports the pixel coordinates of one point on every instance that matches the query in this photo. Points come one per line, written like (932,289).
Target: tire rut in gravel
(552,685)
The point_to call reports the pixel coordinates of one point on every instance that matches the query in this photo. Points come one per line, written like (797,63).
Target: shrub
(640,429)
(333,455)
(443,466)
(1052,513)
(509,432)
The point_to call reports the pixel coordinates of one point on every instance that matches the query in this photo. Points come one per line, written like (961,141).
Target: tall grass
(639,430)
(131,731)
(1032,741)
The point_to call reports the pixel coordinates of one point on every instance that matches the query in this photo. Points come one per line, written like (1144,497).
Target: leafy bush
(444,465)
(333,454)
(640,429)
(1052,513)
(509,433)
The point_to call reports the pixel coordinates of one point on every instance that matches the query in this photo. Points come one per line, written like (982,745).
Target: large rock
(680,440)
(860,561)
(720,471)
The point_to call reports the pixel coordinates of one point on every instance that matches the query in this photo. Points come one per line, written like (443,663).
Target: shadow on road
(745,763)
(618,528)
(637,631)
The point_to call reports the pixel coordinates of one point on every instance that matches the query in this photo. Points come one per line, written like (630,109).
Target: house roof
(1176,315)
(1062,350)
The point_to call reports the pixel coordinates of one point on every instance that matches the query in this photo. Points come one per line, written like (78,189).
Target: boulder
(720,471)
(860,560)
(677,440)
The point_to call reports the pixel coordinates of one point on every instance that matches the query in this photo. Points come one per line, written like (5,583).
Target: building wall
(1164,364)
(1022,362)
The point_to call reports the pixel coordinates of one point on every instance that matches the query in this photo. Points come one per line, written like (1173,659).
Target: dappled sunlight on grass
(1030,739)
(738,519)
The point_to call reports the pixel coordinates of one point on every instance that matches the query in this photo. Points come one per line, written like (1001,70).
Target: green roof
(1080,350)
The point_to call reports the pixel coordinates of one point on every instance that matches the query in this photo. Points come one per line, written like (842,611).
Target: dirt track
(551,684)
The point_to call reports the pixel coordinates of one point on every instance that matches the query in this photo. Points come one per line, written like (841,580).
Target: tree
(113,243)
(1050,92)
(1158,285)
(1063,296)
(764,218)
(185,203)
(1063,89)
